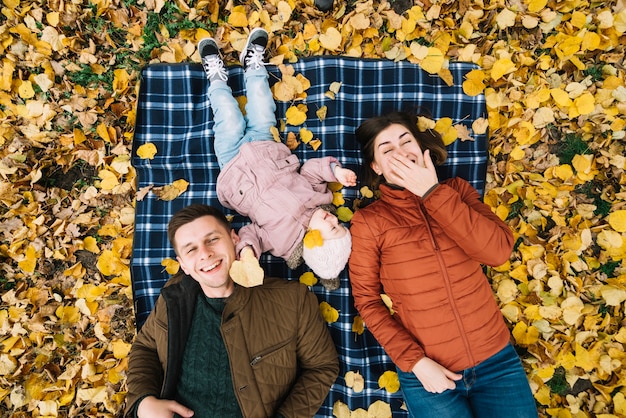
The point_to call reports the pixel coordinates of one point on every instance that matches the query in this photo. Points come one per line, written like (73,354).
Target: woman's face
(392,142)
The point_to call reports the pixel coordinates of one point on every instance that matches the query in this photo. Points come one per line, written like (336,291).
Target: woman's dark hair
(190,214)
(369,130)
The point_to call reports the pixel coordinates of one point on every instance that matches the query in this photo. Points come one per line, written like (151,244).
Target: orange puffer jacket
(426,255)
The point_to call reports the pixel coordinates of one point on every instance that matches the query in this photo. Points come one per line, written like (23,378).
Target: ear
(182,264)
(234,237)
(374,166)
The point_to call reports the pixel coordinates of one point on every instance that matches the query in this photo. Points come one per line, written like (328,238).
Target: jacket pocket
(277,365)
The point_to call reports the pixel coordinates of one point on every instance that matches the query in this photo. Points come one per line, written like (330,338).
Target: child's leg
(260,107)
(229,124)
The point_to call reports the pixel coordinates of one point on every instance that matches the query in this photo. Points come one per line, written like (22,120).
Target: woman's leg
(423,404)
(260,107)
(230,126)
(498,387)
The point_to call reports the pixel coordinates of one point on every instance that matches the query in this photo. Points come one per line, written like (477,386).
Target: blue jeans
(496,388)
(231,128)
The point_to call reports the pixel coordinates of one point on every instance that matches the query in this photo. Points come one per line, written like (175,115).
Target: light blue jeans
(496,388)
(231,128)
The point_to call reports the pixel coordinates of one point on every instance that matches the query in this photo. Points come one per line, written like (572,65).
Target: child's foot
(253,55)
(211,61)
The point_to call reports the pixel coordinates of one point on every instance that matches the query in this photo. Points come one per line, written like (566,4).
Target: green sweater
(205,383)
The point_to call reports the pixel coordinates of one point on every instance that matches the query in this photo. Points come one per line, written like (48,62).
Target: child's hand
(345,176)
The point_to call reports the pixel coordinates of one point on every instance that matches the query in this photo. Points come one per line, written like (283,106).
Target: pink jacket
(266,183)
(427,255)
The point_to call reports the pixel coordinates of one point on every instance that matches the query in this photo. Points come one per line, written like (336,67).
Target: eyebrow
(191,244)
(400,137)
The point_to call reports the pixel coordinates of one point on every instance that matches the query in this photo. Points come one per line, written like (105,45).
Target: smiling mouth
(206,269)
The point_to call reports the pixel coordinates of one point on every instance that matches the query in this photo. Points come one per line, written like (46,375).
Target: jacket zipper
(446,278)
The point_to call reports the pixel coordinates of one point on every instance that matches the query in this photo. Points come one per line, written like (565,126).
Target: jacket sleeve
(318,172)
(257,238)
(317,358)
(456,206)
(364,267)
(145,371)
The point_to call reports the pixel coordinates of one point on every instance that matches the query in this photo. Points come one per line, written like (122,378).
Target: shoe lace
(255,58)
(214,66)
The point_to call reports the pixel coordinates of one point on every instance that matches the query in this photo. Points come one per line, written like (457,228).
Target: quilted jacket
(266,183)
(426,255)
(283,360)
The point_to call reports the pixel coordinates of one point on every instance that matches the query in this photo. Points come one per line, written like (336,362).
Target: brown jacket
(426,255)
(283,360)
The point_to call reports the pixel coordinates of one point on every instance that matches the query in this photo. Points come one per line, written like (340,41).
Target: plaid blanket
(173,113)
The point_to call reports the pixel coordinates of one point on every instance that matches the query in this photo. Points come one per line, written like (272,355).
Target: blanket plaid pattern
(173,113)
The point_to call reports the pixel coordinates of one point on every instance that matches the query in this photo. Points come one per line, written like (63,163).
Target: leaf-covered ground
(554,78)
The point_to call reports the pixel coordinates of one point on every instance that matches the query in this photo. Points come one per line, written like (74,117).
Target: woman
(423,244)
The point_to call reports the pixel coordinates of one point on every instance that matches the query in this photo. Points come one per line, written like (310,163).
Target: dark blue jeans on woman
(495,388)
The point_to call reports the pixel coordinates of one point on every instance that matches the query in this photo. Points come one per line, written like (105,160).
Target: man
(211,348)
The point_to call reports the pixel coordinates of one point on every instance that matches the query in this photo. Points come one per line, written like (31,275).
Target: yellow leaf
(338,199)
(355,381)
(313,238)
(617,220)
(315,144)
(535,6)
(517,153)
(26,90)
(308,279)
(120,349)
(474,83)
(480,126)
(120,81)
(379,409)
(433,61)
(171,191)
(247,271)
(295,115)
(448,133)
(341,410)
(103,132)
(90,292)
(238,19)
(147,151)
(366,192)
(583,104)
(91,245)
(501,67)
(321,112)
(358,326)
(171,266)
(424,123)
(331,39)
(29,262)
(108,180)
(388,303)
(344,214)
(561,98)
(306,135)
(329,313)
(68,314)
(389,381)
(525,335)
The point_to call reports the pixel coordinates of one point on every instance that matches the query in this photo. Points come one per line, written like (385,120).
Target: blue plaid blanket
(173,113)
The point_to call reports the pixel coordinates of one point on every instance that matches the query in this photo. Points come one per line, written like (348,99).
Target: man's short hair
(191,213)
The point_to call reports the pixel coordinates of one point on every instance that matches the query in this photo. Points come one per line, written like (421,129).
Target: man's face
(327,224)
(206,250)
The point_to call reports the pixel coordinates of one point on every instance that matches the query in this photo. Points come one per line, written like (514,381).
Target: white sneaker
(211,61)
(253,55)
